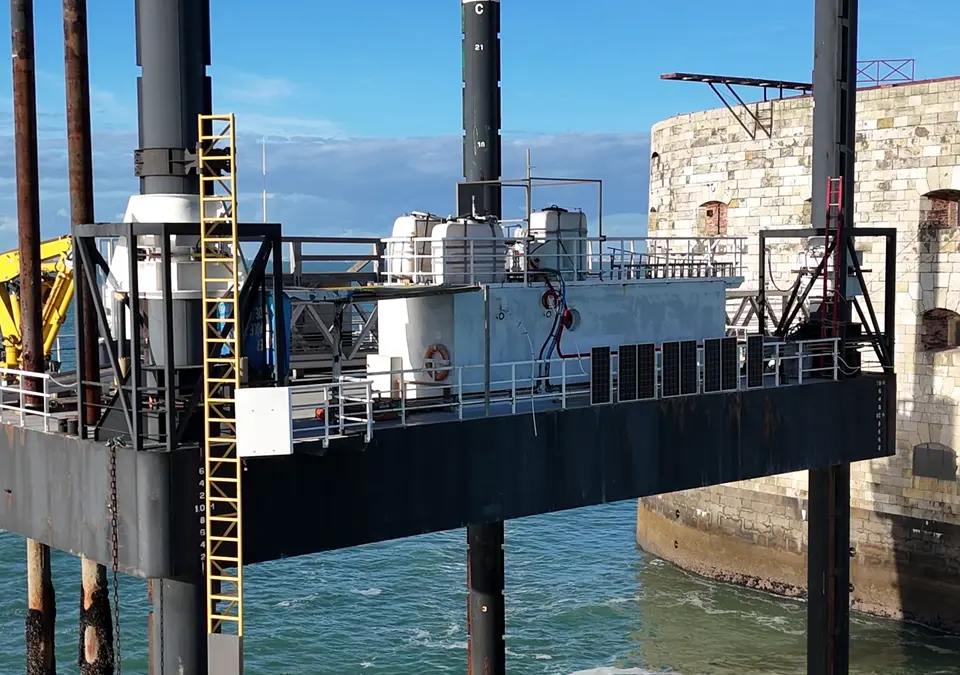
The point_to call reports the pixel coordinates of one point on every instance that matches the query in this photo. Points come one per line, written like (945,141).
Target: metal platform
(435,476)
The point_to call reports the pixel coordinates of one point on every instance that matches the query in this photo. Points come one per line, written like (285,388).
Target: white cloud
(236,85)
(319,185)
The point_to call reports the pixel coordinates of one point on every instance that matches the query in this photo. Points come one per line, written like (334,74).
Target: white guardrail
(353,406)
(25,397)
(469,260)
(325,411)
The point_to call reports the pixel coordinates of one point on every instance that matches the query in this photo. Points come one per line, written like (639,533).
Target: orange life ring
(438,352)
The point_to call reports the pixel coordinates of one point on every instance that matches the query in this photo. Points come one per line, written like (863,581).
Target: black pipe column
(173,51)
(481,108)
(481,162)
(834,114)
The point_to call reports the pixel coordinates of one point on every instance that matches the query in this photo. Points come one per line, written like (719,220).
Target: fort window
(652,220)
(939,329)
(938,209)
(806,215)
(655,159)
(712,219)
(935,460)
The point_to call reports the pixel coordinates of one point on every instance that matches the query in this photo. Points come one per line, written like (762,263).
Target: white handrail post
(563,383)
(776,365)
(326,416)
(513,388)
(403,398)
(368,391)
(836,359)
(800,362)
(460,393)
(46,403)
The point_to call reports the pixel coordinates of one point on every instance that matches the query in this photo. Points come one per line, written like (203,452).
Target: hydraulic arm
(57,292)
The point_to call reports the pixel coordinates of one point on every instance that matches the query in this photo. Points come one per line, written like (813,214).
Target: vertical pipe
(95,653)
(96,626)
(80,158)
(481,162)
(828,558)
(481,106)
(41,611)
(28,187)
(173,52)
(41,604)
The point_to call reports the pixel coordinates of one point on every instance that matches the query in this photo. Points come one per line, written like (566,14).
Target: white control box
(264,422)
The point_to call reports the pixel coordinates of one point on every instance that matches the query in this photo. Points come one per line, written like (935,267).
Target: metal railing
(323,412)
(23,401)
(470,260)
(355,405)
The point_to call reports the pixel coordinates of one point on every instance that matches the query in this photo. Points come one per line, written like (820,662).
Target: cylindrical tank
(559,239)
(468,251)
(408,259)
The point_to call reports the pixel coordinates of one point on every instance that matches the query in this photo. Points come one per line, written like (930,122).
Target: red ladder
(833,265)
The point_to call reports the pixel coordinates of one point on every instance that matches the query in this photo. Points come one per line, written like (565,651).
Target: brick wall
(907,176)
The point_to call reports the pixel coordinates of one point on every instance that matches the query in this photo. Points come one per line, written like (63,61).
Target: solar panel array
(729,364)
(670,369)
(711,365)
(627,373)
(646,371)
(683,367)
(754,361)
(689,381)
(600,384)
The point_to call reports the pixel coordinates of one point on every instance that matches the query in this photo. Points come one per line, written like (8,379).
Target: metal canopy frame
(177,395)
(882,338)
(870,73)
(804,89)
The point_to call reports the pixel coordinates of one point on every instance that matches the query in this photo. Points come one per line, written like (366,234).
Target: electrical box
(264,422)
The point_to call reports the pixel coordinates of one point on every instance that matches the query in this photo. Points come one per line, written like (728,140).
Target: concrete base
(902,567)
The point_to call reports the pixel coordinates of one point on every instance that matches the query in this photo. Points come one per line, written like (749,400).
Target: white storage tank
(408,259)
(559,239)
(468,251)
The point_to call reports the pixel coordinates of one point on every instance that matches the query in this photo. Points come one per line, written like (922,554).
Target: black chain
(116,558)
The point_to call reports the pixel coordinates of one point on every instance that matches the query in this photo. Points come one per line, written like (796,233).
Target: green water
(580,599)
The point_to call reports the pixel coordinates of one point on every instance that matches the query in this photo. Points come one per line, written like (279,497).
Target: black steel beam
(442,476)
(245,231)
(486,649)
(481,108)
(834,154)
(434,477)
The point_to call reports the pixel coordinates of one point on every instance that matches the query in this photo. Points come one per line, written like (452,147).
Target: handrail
(490,259)
(23,393)
(351,406)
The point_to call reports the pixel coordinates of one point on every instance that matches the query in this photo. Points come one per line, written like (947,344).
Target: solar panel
(600,385)
(689,380)
(627,372)
(670,368)
(754,361)
(711,365)
(729,364)
(646,371)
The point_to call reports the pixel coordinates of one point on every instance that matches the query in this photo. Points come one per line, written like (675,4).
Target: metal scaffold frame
(219,257)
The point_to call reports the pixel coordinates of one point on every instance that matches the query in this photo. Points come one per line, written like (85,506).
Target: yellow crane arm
(56,281)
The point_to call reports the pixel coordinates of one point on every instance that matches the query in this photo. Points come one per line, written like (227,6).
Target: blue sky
(361,99)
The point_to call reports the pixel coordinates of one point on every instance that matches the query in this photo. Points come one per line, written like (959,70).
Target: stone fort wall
(712,175)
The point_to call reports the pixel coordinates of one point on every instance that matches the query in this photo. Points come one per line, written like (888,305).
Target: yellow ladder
(219,257)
